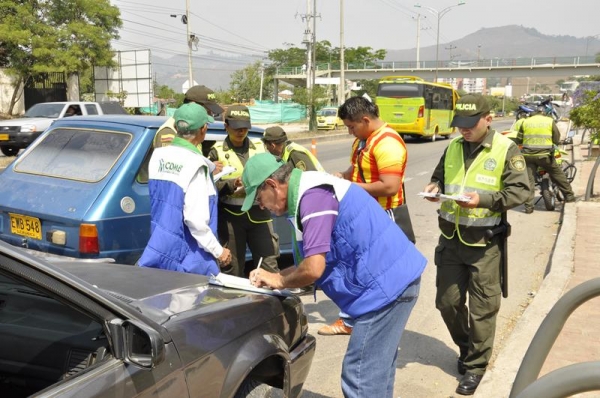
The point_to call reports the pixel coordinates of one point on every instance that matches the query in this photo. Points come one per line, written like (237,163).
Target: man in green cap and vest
(373,275)
(539,135)
(277,143)
(237,227)
(488,171)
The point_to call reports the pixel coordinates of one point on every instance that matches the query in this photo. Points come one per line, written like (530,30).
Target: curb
(498,380)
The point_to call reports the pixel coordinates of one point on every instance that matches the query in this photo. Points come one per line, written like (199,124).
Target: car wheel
(254,389)
(433,137)
(10,150)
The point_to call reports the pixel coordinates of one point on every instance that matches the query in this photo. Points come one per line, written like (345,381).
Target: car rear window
(73,154)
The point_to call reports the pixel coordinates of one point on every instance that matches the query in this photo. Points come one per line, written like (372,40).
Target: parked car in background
(81,189)
(16,134)
(91,329)
(327,118)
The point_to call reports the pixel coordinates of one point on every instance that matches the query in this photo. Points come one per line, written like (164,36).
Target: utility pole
(310,41)
(187,25)
(342,89)
(262,79)
(191,40)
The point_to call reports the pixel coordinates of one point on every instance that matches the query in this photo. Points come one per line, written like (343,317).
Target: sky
(253,27)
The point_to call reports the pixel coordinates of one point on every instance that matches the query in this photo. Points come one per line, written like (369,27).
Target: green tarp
(263,112)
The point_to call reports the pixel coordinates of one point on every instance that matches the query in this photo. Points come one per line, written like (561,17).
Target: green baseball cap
(469,110)
(257,169)
(238,117)
(190,117)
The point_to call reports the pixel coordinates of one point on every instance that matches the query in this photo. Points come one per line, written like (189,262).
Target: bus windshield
(414,107)
(395,90)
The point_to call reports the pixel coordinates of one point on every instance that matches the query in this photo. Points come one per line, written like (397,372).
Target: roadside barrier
(313,147)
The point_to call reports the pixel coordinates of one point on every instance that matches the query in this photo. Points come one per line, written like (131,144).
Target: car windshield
(44,110)
(327,112)
(73,154)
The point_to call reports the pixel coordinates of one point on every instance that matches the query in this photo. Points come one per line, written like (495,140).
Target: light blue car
(81,189)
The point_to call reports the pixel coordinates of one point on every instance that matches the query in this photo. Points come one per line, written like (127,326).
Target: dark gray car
(92,329)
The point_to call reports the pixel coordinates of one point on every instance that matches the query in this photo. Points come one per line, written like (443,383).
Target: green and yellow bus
(415,107)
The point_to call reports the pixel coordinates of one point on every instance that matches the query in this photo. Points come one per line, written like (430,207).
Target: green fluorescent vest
(537,132)
(484,176)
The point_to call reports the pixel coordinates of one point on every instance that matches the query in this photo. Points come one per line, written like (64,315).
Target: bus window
(413,106)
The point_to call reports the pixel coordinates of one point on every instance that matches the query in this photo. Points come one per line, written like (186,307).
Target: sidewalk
(574,260)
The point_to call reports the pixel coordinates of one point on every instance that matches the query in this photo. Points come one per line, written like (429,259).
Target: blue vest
(370,262)
(171,245)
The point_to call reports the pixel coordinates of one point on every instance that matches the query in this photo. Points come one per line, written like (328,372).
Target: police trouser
(238,229)
(463,269)
(548,163)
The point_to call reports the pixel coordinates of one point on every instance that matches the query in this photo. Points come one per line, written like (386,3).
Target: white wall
(6,93)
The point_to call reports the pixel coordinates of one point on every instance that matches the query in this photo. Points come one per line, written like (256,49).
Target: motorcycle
(528,108)
(548,189)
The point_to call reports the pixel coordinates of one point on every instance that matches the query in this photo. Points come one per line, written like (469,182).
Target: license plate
(3,137)
(25,226)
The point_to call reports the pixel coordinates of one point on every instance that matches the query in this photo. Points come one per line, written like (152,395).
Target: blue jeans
(369,366)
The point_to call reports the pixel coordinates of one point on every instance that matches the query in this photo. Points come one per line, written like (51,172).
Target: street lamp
(439,15)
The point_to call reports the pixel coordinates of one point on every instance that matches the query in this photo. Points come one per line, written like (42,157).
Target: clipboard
(459,198)
(235,282)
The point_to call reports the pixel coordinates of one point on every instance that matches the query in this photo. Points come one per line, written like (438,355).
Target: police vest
(230,158)
(537,132)
(289,148)
(484,176)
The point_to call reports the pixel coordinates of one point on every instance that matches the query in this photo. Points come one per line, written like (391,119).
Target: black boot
(468,384)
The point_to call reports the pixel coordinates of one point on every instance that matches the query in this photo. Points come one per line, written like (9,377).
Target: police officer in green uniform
(539,136)
(201,95)
(489,170)
(277,143)
(236,227)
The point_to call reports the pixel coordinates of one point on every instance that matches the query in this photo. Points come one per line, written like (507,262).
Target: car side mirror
(142,345)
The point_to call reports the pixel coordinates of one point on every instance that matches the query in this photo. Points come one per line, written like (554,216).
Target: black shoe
(570,199)
(468,384)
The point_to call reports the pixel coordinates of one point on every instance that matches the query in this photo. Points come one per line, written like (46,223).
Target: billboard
(131,75)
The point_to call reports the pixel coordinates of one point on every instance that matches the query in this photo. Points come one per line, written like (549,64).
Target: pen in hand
(257,269)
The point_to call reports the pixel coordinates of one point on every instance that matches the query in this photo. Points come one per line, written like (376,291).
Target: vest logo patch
(490,164)
(301,165)
(487,180)
(169,167)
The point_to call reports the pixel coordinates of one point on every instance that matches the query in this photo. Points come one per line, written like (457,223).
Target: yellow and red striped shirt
(384,153)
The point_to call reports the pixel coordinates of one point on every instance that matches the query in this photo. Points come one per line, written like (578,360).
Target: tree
(245,83)
(586,110)
(70,36)
(325,53)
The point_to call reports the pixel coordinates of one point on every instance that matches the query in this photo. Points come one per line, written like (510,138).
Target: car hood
(38,121)
(160,294)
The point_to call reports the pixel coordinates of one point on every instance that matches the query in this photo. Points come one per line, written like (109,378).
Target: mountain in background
(510,41)
(211,70)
